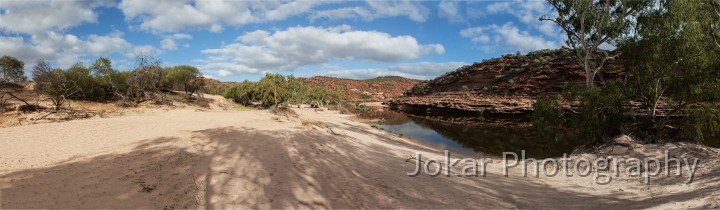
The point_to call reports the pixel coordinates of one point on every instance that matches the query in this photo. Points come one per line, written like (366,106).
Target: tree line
(671,50)
(276,90)
(101,82)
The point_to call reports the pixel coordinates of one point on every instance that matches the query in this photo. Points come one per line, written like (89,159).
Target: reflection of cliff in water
(497,137)
(490,136)
(386,117)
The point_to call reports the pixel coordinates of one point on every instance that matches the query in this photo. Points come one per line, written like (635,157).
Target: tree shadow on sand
(234,167)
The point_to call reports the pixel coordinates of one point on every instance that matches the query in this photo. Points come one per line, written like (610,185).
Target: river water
(482,136)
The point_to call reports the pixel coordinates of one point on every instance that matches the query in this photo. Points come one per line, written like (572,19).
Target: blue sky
(237,40)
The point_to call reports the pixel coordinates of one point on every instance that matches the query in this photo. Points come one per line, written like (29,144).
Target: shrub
(242,93)
(11,70)
(548,118)
(599,114)
(183,77)
(53,83)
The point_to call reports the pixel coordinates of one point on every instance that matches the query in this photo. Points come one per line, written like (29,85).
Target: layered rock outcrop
(506,85)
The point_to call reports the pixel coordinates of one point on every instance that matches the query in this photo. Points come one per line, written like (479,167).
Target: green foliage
(687,76)
(318,95)
(588,24)
(365,96)
(85,86)
(362,109)
(548,118)
(276,89)
(114,82)
(53,83)
(599,114)
(11,70)
(272,90)
(183,77)
(242,93)
(100,82)
(297,90)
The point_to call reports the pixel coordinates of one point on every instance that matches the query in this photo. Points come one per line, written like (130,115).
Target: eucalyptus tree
(11,69)
(674,57)
(588,24)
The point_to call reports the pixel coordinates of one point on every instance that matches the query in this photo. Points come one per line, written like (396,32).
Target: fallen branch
(18,98)
(43,117)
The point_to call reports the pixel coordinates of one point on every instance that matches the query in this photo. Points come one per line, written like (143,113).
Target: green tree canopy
(11,69)
(674,56)
(589,24)
(183,77)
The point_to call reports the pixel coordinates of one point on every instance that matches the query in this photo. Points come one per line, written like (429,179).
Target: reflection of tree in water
(496,136)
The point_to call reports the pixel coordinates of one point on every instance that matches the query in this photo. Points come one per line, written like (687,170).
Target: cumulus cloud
(528,12)
(17,47)
(508,37)
(300,46)
(39,16)
(181,36)
(40,26)
(450,10)
(420,70)
(377,9)
(67,49)
(170,42)
(175,15)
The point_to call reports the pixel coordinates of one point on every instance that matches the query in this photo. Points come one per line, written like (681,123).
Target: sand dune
(252,159)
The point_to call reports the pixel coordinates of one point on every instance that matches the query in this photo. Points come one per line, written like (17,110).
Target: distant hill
(502,85)
(377,89)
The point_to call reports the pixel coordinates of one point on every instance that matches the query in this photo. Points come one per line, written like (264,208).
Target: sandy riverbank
(225,159)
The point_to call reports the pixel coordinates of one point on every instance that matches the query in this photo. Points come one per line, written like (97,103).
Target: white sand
(253,159)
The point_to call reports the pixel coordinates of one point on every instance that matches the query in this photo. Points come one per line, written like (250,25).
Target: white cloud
(41,25)
(528,12)
(148,50)
(296,47)
(224,73)
(181,36)
(67,49)
(168,44)
(508,37)
(39,16)
(498,7)
(414,10)
(344,13)
(176,15)
(420,70)
(450,9)
(17,47)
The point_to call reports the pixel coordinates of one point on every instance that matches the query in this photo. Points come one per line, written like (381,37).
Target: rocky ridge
(376,89)
(505,85)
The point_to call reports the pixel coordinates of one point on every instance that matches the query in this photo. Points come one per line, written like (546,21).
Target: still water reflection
(474,134)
